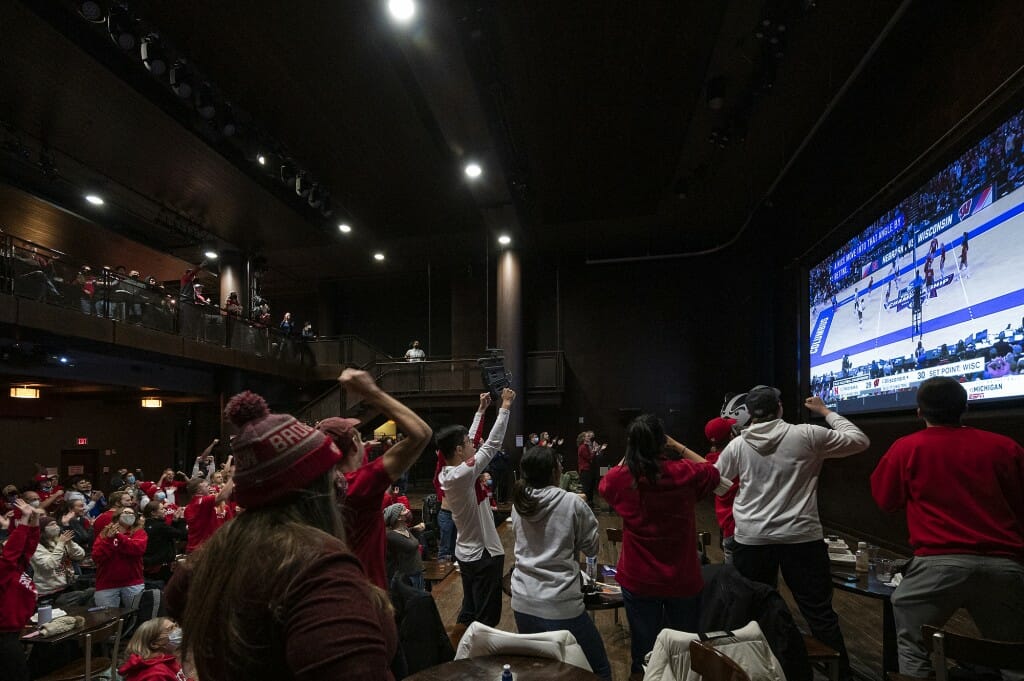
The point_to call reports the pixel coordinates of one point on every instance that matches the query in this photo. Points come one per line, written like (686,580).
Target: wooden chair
(89,666)
(995,654)
(713,665)
(819,653)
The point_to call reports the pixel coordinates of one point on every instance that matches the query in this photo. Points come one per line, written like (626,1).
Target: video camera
(492,370)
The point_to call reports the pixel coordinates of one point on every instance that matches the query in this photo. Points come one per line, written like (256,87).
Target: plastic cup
(44,615)
(872,553)
(883,569)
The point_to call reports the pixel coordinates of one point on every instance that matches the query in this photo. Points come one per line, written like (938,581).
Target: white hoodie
(546,580)
(778,465)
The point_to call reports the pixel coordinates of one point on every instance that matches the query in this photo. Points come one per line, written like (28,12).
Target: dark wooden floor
(860,618)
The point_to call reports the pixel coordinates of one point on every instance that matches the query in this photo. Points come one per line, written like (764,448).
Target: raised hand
(485,402)
(65,536)
(358,381)
(508,396)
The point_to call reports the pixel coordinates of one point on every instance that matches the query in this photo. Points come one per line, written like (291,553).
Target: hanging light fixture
(152,402)
(25,392)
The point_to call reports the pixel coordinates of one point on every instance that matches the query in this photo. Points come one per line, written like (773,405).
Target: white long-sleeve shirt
(474,519)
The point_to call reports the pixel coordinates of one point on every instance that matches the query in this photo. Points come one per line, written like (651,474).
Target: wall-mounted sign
(76,470)
(82,441)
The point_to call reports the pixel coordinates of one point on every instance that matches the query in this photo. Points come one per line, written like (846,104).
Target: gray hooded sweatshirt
(778,465)
(546,580)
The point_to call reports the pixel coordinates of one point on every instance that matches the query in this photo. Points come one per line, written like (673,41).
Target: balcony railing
(32,272)
(543,374)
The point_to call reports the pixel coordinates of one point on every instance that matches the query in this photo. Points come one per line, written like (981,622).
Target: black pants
(13,666)
(806,569)
(588,480)
(481,590)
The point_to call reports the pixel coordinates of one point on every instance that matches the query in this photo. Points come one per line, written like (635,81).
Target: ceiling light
(504,239)
(344,228)
(402,10)
(153,55)
(152,402)
(261,159)
(378,257)
(63,360)
(91,11)
(181,79)
(210,254)
(94,200)
(25,393)
(473,170)
(119,25)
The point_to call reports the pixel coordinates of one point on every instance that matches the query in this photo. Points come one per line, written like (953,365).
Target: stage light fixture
(94,199)
(379,257)
(120,26)
(210,254)
(473,170)
(261,159)
(153,55)
(25,392)
(345,228)
(402,10)
(204,101)
(152,402)
(181,79)
(504,239)
(91,11)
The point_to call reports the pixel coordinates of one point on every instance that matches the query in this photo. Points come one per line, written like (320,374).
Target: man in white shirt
(478,550)
(415,353)
(776,508)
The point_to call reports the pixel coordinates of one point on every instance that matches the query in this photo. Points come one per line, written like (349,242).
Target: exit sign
(83,441)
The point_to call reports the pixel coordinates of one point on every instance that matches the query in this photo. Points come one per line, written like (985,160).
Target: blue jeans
(582,627)
(117,598)
(446,545)
(649,615)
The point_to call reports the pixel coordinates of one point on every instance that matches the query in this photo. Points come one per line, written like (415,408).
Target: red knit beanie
(275,454)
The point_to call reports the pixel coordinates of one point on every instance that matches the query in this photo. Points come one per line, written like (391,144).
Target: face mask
(174,638)
(160,496)
(52,531)
(34,503)
(130,479)
(127,519)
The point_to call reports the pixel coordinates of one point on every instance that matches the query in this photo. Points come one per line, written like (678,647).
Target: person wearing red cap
(366,482)
(289,586)
(718,431)
(17,590)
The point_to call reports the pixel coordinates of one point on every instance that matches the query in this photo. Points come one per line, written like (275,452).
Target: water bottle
(592,568)
(506,673)
(862,557)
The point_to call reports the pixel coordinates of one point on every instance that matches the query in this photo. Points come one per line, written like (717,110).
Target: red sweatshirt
(963,489)
(17,589)
(158,668)
(659,530)
(723,504)
(201,520)
(119,559)
(583,457)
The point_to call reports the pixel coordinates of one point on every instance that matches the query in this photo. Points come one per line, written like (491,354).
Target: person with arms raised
(17,590)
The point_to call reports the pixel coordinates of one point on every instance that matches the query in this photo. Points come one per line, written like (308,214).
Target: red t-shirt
(583,457)
(364,522)
(963,489)
(201,520)
(723,504)
(659,530)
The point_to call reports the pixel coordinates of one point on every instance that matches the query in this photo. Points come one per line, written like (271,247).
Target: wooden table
(489,668)
(867,585)
(94,619)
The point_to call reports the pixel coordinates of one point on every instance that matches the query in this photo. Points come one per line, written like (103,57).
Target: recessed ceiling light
(473,170)
(262,159)
(94,200)
(378,256)
(344,228)
(25,392)
(152,402)
(504,239)
(402,10)
(210,255)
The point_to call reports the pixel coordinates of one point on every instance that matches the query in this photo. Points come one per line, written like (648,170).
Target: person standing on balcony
(415,353)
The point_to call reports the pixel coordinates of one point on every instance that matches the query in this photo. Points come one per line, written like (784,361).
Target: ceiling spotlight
(153,55)
(181,79)
(261,159)
(210,254)
(402,10)
(119,25)
(204,101)
(63,360)
(473,170)
(379,257)
(94,199)
(345,228)
(504,239)
(91,11)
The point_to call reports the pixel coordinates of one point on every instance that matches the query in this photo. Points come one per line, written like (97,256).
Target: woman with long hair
(552,527)
(658,568)
(53,562)
(295,603)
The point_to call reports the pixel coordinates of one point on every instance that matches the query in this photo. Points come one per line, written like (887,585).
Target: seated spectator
(17,590)
(118,552)
(403,553)
(152,652)
(54,558)
(552,527)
